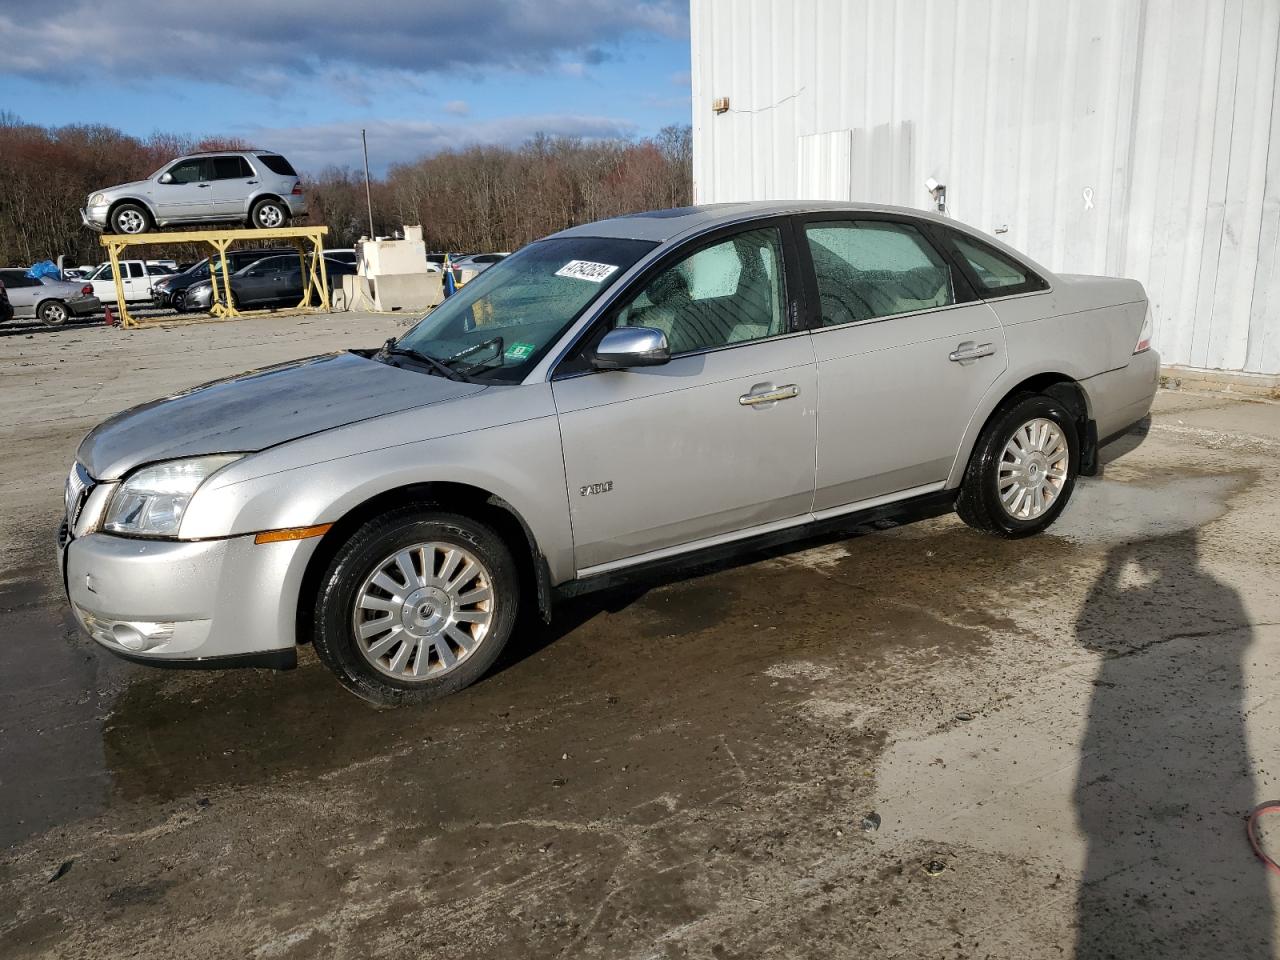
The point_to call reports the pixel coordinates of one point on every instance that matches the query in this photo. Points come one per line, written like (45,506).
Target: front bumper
(95,218)
(188,603)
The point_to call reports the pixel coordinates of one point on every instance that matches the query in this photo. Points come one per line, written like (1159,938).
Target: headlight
(98,200)
(152,501)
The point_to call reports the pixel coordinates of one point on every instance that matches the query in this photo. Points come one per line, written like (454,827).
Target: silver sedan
(615,397)
(52,302)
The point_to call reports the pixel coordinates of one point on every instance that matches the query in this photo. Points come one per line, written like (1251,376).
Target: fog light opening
(128,636)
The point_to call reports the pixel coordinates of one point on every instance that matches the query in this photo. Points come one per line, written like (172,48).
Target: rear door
(905,353)
(230,185)
(659,457)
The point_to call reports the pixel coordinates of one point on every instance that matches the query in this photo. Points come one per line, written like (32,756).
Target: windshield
(499,325)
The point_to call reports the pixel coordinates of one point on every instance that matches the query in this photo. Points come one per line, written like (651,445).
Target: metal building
(1132,137)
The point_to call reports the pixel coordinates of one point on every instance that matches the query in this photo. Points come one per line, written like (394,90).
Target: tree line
(475,198)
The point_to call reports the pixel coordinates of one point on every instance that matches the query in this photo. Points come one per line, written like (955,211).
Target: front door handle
(969,351)
(769,394)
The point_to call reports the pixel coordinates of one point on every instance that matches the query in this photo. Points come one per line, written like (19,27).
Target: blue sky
(303,76)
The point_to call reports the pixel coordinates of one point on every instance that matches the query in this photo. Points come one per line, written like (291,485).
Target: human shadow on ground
(1165,781)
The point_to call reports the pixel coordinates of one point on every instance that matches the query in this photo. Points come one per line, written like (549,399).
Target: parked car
(50,301)
(257,188)
(172,291)
(345,254)
(136,276)
(264,283)
(477,263)
(617,396)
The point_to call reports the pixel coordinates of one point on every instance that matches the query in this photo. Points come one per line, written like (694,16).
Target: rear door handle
(769,394)
(969,351)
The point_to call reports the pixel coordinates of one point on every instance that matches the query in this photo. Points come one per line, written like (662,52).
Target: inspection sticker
(520,351)
(586,270)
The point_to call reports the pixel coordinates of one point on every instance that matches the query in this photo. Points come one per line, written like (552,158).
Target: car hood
(133,186)
(260,409)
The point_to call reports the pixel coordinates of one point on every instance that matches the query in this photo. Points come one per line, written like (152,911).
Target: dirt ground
(913,742)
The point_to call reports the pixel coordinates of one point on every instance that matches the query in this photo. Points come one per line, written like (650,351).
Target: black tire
(268,211)
(53,313)
(178,300)
(334,634)
(979,503)
(130,219)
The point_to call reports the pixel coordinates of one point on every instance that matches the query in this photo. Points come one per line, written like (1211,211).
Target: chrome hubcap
(129,221)
(423,611)
(270,216)
(1033,469)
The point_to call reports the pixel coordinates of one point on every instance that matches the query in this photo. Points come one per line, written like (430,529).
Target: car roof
(660,225)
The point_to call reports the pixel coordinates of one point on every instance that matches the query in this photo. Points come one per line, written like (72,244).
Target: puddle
(1107,510)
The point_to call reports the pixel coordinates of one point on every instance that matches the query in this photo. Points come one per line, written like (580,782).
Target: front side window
(875,268)
(188,171)
(730,292)
(499,325)
(997,274)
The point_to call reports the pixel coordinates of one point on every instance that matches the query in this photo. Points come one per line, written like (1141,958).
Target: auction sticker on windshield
(586,270)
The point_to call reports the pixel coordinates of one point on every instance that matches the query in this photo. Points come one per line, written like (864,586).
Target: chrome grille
(79,483)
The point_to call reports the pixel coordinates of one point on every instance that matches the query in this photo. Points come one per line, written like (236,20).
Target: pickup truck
(137,276)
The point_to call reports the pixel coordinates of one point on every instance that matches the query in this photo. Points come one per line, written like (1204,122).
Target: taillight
(297,189)
(87,289)
(1144,336)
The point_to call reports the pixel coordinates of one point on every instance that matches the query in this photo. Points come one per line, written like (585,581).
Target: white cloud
(459,108)
(240,41)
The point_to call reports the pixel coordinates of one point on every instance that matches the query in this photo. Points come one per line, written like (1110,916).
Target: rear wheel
(1023,469)
(268,214)
(53,313)
(129,218)
(416,605)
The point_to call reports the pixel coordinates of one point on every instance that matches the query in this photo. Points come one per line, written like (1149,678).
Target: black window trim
(792,288)
(1035,283)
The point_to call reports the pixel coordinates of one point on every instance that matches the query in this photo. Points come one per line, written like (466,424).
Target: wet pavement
(1059,736)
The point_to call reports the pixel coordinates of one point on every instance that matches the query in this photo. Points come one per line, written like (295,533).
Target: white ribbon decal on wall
(1088,198)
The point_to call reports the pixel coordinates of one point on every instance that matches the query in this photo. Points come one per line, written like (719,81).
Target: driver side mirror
(631,347)
(166,178)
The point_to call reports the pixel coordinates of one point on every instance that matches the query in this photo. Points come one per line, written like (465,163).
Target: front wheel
(130,219)
(53,313)
(416,605)
(1023,469)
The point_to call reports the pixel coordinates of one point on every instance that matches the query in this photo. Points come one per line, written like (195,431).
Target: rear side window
(231,168)
(277,164)
(874,268)
(135,270)
(15,279)
(996,274)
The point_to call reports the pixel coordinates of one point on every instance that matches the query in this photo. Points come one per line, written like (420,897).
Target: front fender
(519,462)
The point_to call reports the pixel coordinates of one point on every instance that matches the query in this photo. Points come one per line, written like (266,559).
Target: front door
(661,457)
(905,354)
(187,194)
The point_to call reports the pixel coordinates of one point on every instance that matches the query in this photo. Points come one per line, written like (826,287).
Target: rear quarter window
(277,165)
(995,274)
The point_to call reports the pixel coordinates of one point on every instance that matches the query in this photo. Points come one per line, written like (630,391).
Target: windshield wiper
(389,349)
(476,348)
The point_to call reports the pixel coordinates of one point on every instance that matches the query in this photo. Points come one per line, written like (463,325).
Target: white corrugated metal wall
(1130,137)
